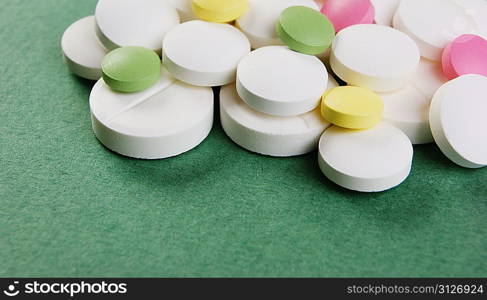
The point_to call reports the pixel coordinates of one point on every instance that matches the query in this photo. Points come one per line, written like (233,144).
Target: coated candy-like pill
(305,30)
(433,24)
(467,54)
(259,22)
(131,69)
(408,107)
(184,8)
(134,22)
(165,120)
(220,11)
(458,122)
(281,82)
(385,10)
(344,13)
(352,107)
(203,53)
(267,134)
(82,51)
(374,56)
(371,160)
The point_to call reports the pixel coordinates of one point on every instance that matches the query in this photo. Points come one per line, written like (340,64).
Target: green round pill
(305,30)
(131,69)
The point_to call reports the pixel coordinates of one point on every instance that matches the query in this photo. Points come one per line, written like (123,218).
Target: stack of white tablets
(274,108)
(408,79)
(434,25)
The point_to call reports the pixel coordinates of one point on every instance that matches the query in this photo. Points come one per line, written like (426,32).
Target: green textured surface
(305,30)
(131,69)
(69,207)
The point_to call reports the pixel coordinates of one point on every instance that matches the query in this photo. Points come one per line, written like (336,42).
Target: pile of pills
(411,72)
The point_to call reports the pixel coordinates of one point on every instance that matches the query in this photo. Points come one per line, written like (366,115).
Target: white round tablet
(384,11)
(477,9)
(371,160)
(408,107)
(184,9)
(281,82)
(376,57)
(165,120)
(408,110)
(429,77)
(433,24)
(82,51)
(134,22)
(458,120)
(203,53)
(266,134)
(259,22)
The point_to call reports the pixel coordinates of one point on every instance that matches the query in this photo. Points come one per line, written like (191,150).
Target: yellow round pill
(352,107)
(220,11)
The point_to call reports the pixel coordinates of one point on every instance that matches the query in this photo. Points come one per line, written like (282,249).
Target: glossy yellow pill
(220,11)
(352,107)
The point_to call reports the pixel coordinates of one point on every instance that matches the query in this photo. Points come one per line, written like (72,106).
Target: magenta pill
(344,13)
(467,54)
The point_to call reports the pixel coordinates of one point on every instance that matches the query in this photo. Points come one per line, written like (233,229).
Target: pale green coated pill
(305,30)
(131,69)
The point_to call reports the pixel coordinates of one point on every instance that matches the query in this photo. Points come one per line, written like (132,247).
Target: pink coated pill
(467,54)
(344,13)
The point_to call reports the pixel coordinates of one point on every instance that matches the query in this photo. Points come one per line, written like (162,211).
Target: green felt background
(69,207)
